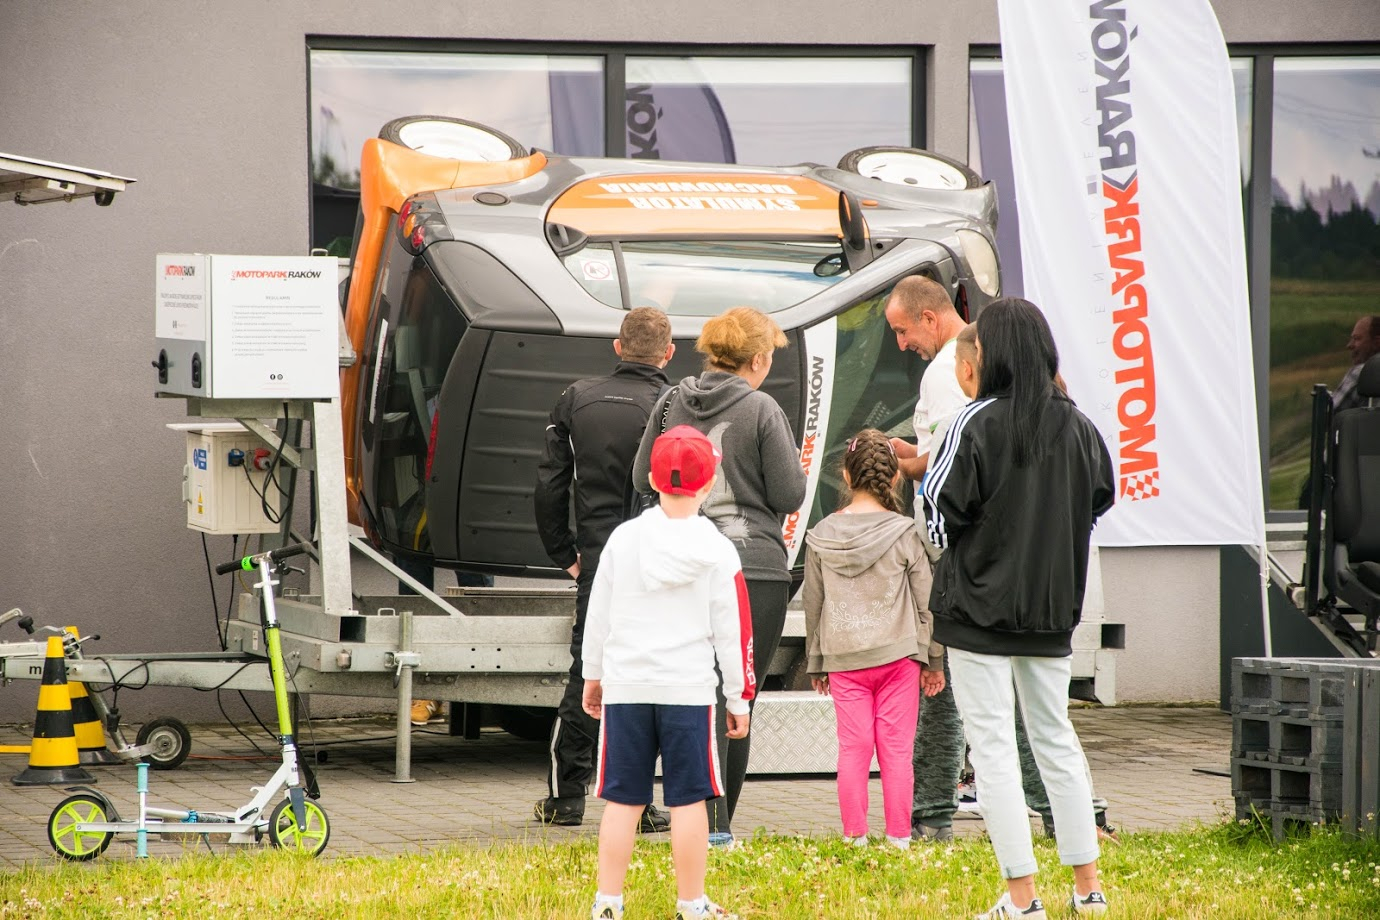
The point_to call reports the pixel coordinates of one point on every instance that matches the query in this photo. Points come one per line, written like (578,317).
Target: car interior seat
(1351,570)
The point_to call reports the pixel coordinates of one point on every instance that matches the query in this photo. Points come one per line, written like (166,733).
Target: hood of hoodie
(674,551)
(712,392)
(850,544)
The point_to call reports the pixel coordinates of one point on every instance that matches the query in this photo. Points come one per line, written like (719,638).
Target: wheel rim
(453,141)
(70,842)
(288,836)
(915,170)
(167,744)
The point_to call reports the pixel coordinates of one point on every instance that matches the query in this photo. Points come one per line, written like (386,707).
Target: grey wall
(205,103)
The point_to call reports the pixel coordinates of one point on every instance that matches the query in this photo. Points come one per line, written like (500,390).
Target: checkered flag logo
(1139,488)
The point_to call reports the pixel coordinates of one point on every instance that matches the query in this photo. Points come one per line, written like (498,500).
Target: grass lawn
(1222,872)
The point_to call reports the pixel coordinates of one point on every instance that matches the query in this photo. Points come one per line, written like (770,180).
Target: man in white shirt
(924,319)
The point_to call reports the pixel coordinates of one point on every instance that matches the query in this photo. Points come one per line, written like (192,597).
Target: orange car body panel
(389,174)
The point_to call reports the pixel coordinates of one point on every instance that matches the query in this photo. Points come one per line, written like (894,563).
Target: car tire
(452,138)
(909,167)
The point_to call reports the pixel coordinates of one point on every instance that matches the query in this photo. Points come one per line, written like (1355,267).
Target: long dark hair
(1019,360)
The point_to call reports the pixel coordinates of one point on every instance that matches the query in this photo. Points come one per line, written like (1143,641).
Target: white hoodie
(668,600)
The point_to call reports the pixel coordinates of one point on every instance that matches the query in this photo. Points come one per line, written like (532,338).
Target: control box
(247,327)
(226,484)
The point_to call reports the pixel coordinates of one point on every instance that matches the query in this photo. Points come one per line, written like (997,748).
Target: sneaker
(858,841)
(721,840)
(654,821)
(605,910)
(1094,903)
(900,843)
(424,711)
(554,811)
(710,911)
(1004,908)
(932,834)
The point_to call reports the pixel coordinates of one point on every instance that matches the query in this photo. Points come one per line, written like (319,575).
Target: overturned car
(486,277)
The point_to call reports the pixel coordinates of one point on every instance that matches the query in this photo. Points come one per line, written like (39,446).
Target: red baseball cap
(683,460)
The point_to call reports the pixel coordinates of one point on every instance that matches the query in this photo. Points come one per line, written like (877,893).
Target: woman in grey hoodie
(867,634)
(760,482)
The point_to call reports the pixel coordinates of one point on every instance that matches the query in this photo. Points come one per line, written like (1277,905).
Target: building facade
(239,121)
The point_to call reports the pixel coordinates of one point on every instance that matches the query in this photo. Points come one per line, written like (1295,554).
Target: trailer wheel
(452,138)
(530,723)
(910,167)
(70,843)
(171,740)
(283,831)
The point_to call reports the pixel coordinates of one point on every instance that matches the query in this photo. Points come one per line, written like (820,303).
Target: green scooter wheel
(284,832)
(70,843)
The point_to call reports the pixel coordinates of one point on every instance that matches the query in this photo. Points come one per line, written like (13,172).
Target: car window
(707,277)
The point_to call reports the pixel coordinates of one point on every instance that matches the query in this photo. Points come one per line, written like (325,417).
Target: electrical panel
(226,483)
(247,327)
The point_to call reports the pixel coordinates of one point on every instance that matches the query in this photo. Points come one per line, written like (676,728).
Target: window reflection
(765,110)
(1325,242)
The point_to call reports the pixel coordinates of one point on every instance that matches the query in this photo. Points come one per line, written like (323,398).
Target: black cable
(220,703)
(211,577)
(263,500)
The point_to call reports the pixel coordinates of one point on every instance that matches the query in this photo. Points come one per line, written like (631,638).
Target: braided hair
(870,463)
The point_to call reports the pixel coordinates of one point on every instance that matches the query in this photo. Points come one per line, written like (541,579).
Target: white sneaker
(1004,908)
(1094,903)
(711,911)
(900,843)
(606,910)
(859,841)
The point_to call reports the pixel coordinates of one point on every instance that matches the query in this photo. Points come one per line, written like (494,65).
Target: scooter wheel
(171,742)
(67,841)
(283,830)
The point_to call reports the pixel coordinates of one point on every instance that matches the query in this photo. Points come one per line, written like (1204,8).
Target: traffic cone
(53,757)
(86,724)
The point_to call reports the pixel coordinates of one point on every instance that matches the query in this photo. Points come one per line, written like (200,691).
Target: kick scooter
(82,825)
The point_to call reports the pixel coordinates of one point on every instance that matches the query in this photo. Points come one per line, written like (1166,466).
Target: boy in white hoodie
(668,601)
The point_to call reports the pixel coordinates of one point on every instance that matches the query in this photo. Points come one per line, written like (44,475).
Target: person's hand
(904,449)
(574,570)
(737,725)
(593,702)
(821,685)
(931,682)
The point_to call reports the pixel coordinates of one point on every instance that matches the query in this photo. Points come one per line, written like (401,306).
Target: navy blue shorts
(631,735)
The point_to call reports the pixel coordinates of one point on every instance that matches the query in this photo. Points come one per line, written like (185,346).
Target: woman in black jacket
(1012,497)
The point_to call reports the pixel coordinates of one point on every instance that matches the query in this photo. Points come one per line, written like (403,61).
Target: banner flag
(1124,143)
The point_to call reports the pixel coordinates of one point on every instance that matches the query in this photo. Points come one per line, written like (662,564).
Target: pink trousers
(876,709)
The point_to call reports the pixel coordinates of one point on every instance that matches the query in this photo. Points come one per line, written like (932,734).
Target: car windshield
(706,277)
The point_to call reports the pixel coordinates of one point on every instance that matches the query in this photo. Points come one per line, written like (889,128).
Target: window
(1325,242)
(704,278)
(765,110)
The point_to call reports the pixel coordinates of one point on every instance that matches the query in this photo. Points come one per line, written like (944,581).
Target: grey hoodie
(867,590)
(760,480)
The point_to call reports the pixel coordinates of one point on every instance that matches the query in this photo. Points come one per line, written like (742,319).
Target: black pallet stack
(1306,742)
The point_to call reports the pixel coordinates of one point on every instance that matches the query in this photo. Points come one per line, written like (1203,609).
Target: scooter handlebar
(247,563)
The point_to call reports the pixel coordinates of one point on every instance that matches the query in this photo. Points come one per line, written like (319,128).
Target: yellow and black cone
(53,756)
(86,724)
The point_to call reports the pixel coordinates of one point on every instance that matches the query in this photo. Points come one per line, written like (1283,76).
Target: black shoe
(653,821)
(554,811)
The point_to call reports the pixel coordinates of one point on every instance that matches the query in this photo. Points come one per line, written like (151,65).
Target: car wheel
(451,138)
(910,167)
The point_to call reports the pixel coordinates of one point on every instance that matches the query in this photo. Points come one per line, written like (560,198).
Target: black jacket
(1015,539)
(591,441)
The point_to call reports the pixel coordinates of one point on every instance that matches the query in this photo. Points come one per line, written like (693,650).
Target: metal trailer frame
(500,646)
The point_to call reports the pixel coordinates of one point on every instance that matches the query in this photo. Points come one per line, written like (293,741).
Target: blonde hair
(733,338)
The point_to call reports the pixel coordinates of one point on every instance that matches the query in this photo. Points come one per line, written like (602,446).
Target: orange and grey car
(487,277)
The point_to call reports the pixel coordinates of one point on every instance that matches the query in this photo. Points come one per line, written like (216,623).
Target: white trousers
(987,703)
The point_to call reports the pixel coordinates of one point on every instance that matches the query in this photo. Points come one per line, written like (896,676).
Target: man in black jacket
(591,442)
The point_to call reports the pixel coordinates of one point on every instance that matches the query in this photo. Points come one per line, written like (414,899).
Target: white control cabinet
(225,496)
